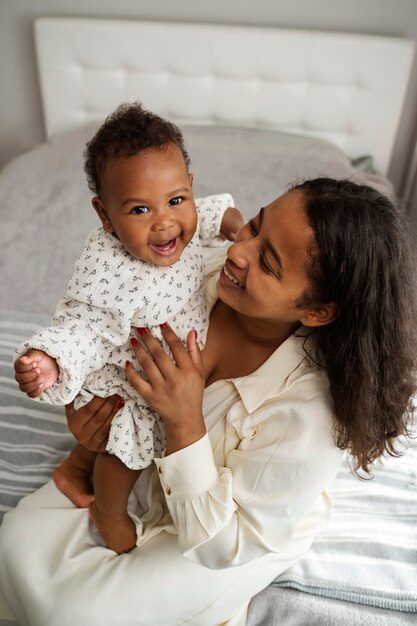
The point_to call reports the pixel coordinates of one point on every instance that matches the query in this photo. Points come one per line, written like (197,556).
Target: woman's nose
(239,252)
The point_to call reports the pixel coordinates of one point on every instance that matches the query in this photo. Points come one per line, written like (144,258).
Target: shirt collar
(255,388)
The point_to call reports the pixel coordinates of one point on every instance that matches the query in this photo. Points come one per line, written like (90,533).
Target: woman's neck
(261,332)
(237,345)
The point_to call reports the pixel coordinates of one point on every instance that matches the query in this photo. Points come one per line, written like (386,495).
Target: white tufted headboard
(345,88)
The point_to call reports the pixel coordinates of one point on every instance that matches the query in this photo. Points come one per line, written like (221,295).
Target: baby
(142,268)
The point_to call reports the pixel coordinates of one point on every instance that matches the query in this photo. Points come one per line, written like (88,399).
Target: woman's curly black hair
(363,261)
(127,131)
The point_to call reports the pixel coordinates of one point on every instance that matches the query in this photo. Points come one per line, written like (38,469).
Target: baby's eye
(138,210)
(176,200)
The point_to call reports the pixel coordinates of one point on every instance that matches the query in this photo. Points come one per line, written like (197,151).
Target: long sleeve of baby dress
(94,317)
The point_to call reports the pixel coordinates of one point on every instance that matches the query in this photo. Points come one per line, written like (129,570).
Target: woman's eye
(175,201)
(138,210)
(265,266)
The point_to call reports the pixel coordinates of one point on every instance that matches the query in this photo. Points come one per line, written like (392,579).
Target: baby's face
(147,201)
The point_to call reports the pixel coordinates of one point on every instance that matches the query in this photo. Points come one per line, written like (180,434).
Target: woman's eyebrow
(269,245)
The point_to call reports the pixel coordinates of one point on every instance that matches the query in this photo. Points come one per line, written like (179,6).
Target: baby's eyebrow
(130,200)
(177,191)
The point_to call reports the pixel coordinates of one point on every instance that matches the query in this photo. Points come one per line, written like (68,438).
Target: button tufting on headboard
(346,89)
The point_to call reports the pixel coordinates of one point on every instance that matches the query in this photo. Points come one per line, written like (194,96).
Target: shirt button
(160,469)
(168,491)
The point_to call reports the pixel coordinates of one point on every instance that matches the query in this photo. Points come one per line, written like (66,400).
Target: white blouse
(256,482)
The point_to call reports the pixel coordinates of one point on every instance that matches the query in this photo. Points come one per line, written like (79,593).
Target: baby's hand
(35,371)
(231,222)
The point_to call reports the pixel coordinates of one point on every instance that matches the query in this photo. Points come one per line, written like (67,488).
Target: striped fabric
(368,555)
(33,437)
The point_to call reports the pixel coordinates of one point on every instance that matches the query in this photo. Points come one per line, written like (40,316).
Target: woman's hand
(90,424)
(174,389)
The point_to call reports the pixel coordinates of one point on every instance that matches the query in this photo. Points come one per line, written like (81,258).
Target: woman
(310,351)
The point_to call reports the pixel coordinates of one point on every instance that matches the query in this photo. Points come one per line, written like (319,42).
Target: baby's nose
(163,223)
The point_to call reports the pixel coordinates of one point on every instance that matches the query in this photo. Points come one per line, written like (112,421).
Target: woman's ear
(102,213)
(320,316)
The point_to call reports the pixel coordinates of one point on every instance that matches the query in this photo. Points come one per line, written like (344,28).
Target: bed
(260,108)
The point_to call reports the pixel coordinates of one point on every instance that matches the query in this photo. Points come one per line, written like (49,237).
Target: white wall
(21,124)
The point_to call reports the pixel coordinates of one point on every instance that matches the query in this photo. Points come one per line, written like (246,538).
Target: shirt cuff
(189,472)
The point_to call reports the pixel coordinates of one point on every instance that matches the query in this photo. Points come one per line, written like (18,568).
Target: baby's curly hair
(127,131)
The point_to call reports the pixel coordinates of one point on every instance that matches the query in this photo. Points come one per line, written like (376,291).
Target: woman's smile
(228,279)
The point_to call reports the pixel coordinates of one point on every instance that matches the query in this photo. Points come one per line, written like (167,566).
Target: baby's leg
(73,476)
(113,482)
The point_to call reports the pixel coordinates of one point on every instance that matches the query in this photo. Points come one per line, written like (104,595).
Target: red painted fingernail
(134,341)
(164,325)
(128,364)
(141,331)
(121,402)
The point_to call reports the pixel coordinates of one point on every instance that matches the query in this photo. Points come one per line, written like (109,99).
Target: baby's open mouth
(165,248)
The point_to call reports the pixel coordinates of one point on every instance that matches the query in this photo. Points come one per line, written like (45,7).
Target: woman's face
(265,273)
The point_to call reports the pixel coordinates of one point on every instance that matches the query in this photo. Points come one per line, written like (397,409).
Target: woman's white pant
(53,573)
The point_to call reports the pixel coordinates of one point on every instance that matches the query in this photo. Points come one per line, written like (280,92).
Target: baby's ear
(191,178)
(320,316)
(102,213)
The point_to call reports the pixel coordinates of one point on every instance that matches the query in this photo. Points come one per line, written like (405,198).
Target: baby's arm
(36,371)
(218,219)
(231,222)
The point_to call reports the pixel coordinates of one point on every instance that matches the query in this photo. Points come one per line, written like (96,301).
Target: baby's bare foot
(119,533)
(75,483)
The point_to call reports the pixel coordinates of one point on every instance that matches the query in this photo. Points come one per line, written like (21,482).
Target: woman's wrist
(179,437)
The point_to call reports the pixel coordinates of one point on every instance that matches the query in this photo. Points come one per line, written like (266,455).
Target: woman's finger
(91,423)
(151,359)
(195,352)
(139,384)
(160,357)
(179,353)
(81,417)
(69,412)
